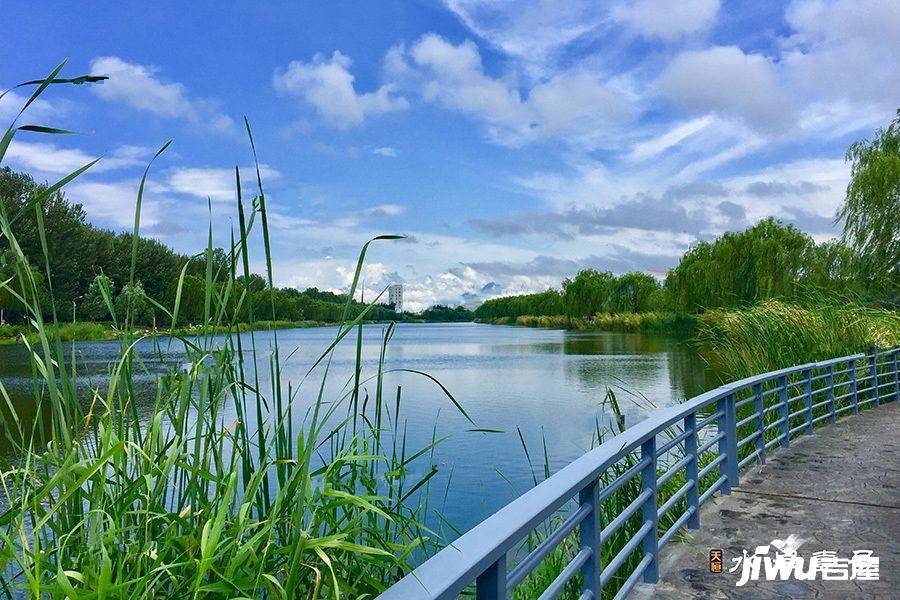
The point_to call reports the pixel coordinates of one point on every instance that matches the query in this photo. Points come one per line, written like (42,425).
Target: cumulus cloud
(727,81)
(46,158)
(11,103)
(845,49)
(217,184)
(666,20)
(328,85)
(570,104)
(140,87)
(112,203)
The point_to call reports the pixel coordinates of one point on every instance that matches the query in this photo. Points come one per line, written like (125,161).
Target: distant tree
(737,269)
(587,292)
(133,301)
(871,210)
(632,292)
(12,271)
(93,305)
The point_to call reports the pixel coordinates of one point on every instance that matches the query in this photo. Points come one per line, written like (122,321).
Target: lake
(550,384)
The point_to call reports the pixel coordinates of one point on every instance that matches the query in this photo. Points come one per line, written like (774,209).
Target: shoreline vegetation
(95,332)
(91,331)
(231,480)
(660,322)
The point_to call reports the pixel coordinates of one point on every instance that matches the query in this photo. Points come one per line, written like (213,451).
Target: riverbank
(658,322)
(773,335)
(740,342)
(91,332)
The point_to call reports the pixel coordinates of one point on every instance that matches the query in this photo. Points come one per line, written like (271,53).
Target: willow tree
(871,210)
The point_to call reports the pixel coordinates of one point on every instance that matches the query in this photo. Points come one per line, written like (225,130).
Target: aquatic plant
(774,335)
(214,484)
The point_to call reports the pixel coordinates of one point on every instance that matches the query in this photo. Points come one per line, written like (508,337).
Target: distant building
(395,296)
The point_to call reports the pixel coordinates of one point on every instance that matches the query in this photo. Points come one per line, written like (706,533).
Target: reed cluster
(774,334)
(224,479)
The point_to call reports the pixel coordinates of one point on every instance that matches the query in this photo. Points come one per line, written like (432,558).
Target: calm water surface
(549,383)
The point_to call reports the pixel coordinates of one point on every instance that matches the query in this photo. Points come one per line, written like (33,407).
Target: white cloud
(385,151)
(217,184)
(139,87)
(45,158)
(328,85)
(11,103)
(112,203)
(659,144)
(532,31)
(726,81)
(572,104)
(386,210)
(845,50)
(664,19)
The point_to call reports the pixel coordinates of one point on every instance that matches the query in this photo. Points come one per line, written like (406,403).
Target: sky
(512,143)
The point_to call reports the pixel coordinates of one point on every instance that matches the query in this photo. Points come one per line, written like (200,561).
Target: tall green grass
(663,322)
(774,335)
(215,484)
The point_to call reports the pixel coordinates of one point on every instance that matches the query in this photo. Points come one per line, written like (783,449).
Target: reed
(774,334)
(224,481)
(668,322)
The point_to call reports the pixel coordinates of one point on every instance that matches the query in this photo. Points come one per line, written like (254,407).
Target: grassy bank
(662,322)
(774,334)
(87,331)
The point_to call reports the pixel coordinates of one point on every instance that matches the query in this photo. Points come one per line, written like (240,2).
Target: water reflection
(550,384)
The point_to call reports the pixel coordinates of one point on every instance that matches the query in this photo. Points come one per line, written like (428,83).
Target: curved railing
(627,497)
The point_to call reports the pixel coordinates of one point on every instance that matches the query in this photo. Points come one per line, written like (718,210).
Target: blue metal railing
(707,441)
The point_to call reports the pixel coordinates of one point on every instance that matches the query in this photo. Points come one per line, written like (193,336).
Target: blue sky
(513,142)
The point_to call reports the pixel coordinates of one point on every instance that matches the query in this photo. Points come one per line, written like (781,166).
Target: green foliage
(587,292)
(871,211)
(775,335)
(14,311)
(155,495)
(543,303)
(132,303)
(634,293)
(446,314)
(768,260)
(94,306)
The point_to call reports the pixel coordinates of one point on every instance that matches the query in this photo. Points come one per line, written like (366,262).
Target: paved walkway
(838,489)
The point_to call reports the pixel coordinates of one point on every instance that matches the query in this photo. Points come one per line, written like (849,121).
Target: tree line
(90,270)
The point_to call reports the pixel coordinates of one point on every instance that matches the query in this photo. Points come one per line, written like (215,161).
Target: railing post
(589,532)
(648,482)
(873,373)
(854,399)
(829,381)
(491,585)
(760,422)
(896,375)
(783,402)
(692,470)
(807,392)
(728,444)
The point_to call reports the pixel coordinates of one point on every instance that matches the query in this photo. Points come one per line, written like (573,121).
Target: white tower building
(395,296)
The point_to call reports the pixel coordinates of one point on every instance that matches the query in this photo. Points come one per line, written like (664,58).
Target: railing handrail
(458,565)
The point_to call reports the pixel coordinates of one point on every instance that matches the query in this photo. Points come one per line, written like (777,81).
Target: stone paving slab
(838,489)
